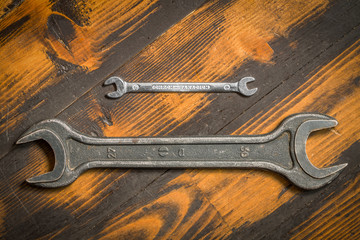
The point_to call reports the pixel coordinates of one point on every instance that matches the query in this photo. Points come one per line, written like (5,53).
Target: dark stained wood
(304,56)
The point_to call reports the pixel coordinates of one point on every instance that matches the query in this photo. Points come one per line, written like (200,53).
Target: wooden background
(56,54)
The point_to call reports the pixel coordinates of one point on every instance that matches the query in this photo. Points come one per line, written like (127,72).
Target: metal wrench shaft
(186,152)
(123,87)
(282,150)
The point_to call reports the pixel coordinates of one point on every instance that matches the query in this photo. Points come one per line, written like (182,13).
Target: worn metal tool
(123,87)
(282,151)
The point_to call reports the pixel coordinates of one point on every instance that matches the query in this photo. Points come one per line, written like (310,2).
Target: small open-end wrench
(123,87)
(282,151)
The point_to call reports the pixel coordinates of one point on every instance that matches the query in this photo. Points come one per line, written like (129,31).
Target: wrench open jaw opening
(282,150)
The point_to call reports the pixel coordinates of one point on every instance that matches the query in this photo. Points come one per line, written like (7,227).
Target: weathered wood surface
(55,56)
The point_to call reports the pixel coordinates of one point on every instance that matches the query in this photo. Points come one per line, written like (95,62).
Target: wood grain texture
(64,47)
(304,56)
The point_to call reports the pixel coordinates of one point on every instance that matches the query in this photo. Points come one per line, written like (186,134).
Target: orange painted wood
(305,58)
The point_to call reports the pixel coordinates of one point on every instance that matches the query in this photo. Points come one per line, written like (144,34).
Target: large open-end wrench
(282,151)
(123,87)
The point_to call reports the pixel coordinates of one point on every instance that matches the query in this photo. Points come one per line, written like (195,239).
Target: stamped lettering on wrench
(163,151)
(244,151)
(111,153)
(181,152)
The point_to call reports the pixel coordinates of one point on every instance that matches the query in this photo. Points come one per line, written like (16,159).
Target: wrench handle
(201,152)
(182,87)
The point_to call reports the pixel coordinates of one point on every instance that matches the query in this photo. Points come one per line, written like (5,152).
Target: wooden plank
(216,203)
(63,48)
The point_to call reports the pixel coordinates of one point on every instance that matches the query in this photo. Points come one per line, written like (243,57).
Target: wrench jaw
(297,176)
(55,133)
(243,89)
(66,178)
(120,87)
(301,136)
(305,181)
(304,174)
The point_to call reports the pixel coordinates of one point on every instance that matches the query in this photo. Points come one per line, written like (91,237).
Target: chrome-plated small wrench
(282,151)
(123,87)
